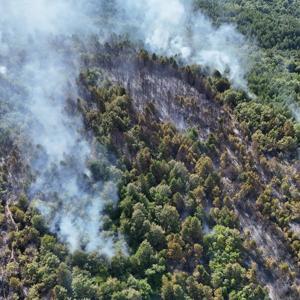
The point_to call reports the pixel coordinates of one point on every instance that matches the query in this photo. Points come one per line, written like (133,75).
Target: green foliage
(38,223)
(144,257)
(224,246)
(270,128)
(166,179)
(173,189)
(83,287)
(191,231)
(233,97)
(273,23)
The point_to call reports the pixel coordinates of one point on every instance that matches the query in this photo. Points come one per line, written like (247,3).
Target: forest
(206,174)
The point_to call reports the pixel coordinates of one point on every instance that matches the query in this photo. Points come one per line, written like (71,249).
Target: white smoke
(174,27)
(36,45)
(37,53)
(3,70)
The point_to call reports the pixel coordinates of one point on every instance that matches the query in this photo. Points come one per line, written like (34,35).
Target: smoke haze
(37,48)
(175,28)
(37,54)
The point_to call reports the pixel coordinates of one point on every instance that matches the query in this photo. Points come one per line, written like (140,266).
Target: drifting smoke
(37,48)
(37,53)
(176,28)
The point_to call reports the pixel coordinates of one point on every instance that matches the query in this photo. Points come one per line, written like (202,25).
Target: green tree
(191,231)
(168,217)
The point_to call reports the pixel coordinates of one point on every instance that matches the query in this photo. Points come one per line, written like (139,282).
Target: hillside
(126,173)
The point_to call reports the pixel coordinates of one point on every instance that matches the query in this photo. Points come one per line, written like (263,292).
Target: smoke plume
(38,56)
(176,28)
(37,52)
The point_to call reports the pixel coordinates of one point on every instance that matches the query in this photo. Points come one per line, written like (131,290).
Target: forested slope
(207,176)
(274,26)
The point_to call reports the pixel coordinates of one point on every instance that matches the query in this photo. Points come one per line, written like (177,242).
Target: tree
(60,293)
(64,277)
(222,85)
(83,287)
(233,97)
(223,246)
(251,292)
(175,248)
(143,160)
(204,166)
(191,231)
(169,219)
(198,291)
(144,257)
(110,287)
(161,193)
(119,266)
(142,286)
(156,237)
(38,223)
(139,224)
(171,290)
(231,277)
(154,274)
